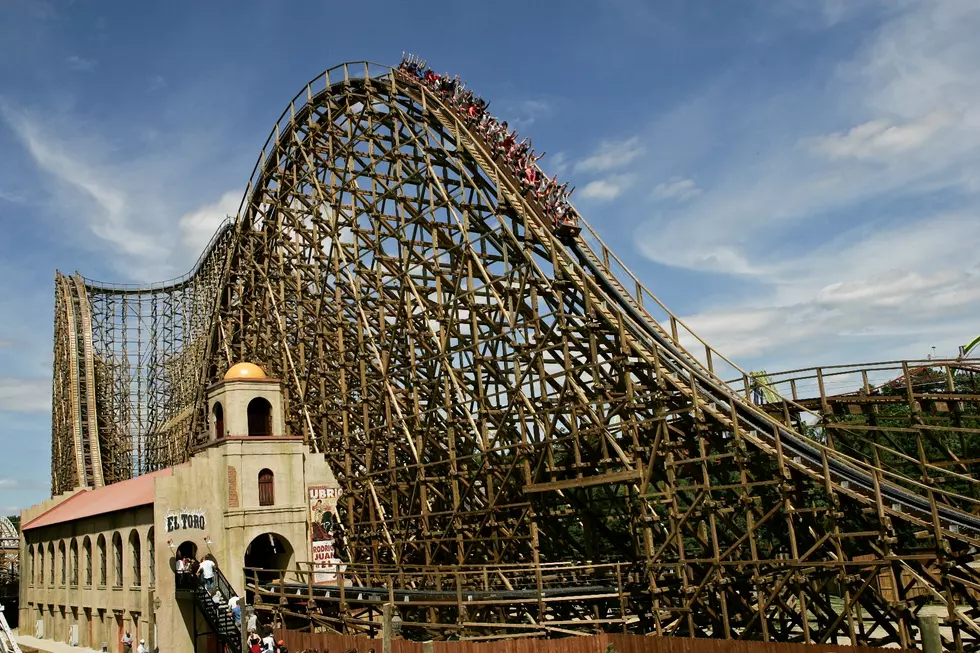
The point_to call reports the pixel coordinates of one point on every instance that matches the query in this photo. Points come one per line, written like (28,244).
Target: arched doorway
(186,580)
(187,550)
(265,555)
(259,417)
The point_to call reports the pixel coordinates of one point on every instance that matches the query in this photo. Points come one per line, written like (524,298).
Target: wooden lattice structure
(490,394)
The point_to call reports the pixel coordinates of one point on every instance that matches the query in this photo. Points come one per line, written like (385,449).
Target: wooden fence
(301,641)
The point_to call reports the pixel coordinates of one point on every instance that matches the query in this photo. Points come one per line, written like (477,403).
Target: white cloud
(534,109)
(907,286)
(557,163)
(111,221)
(76,62)
(877,139)
(13,198)
(128,200)
(606,189)
(610,155)
(8,482)
(676,188)
(918,133)
(197,227)
(844,255)
(25,395)
(521,114)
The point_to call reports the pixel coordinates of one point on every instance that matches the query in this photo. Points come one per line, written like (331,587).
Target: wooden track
(489,394)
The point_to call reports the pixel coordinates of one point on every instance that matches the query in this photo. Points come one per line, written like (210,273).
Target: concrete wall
(74,597)
(212,501)
(234,397)
(221,482)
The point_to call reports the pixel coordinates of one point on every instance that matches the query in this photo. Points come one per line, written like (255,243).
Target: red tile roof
(118,496)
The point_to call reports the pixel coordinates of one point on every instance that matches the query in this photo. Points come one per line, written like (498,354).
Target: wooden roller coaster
(527,439)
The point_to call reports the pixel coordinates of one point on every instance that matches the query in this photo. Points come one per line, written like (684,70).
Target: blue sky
(797,179)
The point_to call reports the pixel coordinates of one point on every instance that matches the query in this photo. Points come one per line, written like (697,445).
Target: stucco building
(96,563)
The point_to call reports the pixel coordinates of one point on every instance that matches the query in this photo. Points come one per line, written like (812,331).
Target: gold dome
(244,371)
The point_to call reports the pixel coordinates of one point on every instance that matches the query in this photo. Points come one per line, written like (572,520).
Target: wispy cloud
(127,200)
(18,395)
(611,155)
(521,114)
(606,189)
(197,227)
(839,234)
(76,62)
(878,139)
(557,163)
(676,189)
(111,219)
(8,196)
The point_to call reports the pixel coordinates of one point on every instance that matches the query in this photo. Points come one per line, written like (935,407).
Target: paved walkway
(50,646)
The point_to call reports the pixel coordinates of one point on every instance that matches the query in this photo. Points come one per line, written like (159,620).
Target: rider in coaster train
(519,155)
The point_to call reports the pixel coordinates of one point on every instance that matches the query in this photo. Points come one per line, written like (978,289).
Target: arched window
(102,560)
(219,420)
(50,563)
(259,417)
(62,561)
(267,488)
(74,563)
(40,564)
(30,571)
(151,550)
(87,552)
(135,556)
(117,568)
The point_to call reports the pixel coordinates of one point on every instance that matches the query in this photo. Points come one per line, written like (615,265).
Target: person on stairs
(236,612)
(206,572)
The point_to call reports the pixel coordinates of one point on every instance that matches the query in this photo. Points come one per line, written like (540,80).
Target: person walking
(142,647)
(254,643)
(127,642)
(206,572)
(268,642)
